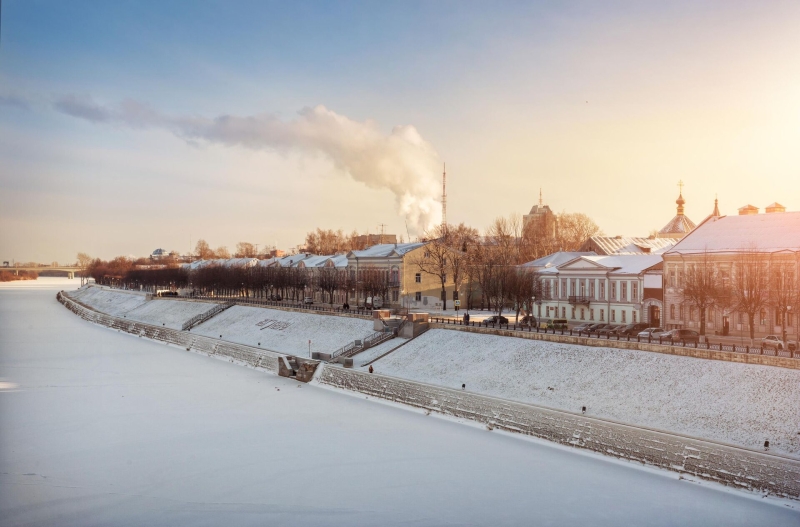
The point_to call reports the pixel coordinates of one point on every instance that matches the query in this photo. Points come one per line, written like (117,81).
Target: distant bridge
(70,270)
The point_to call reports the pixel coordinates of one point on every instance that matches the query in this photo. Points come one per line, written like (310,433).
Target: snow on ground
(101,428)
(132,305)
(743,404)
(370,354)
(112,302)
(167,312)
(285,331)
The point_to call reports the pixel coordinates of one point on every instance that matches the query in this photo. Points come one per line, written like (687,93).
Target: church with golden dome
(680,225)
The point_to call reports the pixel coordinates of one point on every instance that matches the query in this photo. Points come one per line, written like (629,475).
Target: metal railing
(720,346)
(360,312)
(202,317)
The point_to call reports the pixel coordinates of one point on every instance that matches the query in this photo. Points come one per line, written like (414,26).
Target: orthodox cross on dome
(680,186)
(540,195)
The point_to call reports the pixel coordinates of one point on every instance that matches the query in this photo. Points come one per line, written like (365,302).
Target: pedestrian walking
(370,368)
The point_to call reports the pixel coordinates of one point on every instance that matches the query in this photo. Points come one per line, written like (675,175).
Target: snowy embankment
(285,331)
(133,305)
(742,404)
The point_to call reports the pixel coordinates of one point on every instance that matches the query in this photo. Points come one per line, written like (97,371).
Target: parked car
(651,333)
(557,323)
(495,319)
(594,328)
(308,300)
(583,328)
(631,330)
(608,330)
(528,320)
(682,335)
(776,343)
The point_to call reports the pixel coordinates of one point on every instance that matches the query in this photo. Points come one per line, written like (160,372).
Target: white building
(609,289)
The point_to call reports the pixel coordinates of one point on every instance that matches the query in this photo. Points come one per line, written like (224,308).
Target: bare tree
(222,252)
(436,259)
(750,286)
(329,281)
(701,287)
(784,295)
(245,250)
(203,251)
(84,260)
(574,229)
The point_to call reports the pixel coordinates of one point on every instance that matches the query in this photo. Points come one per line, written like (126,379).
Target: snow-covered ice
(102,428)
(743,404)
(285,331)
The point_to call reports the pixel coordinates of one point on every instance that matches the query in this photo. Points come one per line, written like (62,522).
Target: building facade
(772,239)
(621,289)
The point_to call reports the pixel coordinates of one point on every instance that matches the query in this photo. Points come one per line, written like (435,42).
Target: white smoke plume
(402,162)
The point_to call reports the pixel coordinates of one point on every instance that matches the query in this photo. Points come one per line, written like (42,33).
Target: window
(417,296)
(634,292)
(572,288)
(395,295)
(418,278)
(563,312)
(613,315)
(763,317)
(613,290)
(602,290)
(591,314)
(623,292)
(427,254)
(563,288)
(583,314)
(680,312)
(573,314)
(395,276)
(633,317)
(624,314)
(591,289)
(672,281)
(602,315)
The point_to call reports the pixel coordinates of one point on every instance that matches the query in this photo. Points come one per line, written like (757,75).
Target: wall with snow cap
(728,465)
(246,355)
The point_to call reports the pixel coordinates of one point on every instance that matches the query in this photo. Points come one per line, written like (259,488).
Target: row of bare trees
(489,265)
(754,282)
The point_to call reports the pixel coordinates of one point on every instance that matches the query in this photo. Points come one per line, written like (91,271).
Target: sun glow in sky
(126,126)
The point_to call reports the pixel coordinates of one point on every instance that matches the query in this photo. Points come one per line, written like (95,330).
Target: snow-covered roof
(314,261)
(293,259)
(774,232)
(340,260)
(627,245)
(556,259)
(617,264)
(384,250)
(680,224)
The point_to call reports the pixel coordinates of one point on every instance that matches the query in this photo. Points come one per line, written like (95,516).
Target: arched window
(672,311)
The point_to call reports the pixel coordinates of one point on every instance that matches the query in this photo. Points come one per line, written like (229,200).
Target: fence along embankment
(726,464)
(790,360)
(248,355)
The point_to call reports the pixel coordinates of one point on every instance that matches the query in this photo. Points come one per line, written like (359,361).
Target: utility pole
(444,199)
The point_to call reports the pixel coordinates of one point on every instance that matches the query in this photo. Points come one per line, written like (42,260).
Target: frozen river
(101,428)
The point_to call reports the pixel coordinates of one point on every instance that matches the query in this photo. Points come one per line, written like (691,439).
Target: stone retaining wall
(254,357)
(725,464)
(730,356)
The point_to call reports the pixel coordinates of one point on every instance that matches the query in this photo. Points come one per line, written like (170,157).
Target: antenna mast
(444,199)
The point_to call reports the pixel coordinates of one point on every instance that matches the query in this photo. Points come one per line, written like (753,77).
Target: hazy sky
(126,126)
